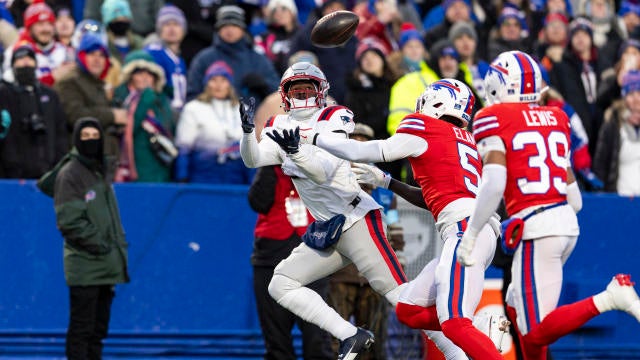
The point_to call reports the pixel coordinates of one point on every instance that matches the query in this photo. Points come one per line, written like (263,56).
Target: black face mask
(90,148)
(119,28)
(25,76)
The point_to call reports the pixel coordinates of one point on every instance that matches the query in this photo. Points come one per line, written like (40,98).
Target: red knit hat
(38,11)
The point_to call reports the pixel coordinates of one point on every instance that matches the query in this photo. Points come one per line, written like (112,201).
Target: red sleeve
(413,124)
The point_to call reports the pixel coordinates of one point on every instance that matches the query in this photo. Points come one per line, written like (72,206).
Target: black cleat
(355,345)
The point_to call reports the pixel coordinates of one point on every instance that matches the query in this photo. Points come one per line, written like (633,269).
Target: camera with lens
(35,123)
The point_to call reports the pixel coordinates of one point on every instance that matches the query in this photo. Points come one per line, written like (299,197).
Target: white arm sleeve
(317,165)
(399,146)
(574,198)
(491,143)
(256,154)
(494,181)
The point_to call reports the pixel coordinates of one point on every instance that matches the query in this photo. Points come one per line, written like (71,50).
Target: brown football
(334,29)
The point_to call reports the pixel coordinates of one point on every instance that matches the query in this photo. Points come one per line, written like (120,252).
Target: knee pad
(280,285)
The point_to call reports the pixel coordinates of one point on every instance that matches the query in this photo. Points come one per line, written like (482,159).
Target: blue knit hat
(218,68)
(408,32)
(629,7)
(581,23)
(112,9)
(631,82)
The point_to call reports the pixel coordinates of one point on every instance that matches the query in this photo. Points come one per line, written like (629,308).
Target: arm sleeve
(256,154)
(574,198)
(494,180)
(399,146)
(317,165)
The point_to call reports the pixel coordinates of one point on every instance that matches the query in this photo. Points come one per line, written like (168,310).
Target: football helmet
(513,77)
(303,101)
(447,97)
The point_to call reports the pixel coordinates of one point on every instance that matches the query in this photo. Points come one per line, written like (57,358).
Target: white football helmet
(298,101)
(513,77)
(447,97)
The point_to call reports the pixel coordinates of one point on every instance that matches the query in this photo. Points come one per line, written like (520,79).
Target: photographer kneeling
(38,136)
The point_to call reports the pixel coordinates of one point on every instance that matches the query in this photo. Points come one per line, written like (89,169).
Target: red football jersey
(537,142)
(450,169)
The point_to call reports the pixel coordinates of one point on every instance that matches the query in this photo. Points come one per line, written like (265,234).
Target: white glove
(368,174)
(465,248)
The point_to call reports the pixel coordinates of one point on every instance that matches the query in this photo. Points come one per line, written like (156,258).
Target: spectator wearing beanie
(617,155)
(171,27)
(143,12)
(336,63)
(282,26)
(65,25)
(52,57)
(117,18)
(148,112)
(464,38)
(578,75)
(629,18)
(254,74)
(412,53)
(209,132)
(607,32)
(83,92)
(627,59)
(511,34)
(552,39)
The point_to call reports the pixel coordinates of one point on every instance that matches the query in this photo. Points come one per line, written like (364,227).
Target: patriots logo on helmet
(345,119)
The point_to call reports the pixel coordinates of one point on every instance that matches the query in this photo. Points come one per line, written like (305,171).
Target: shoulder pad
(485,124)
(270,121)
(328,112)
(411,123)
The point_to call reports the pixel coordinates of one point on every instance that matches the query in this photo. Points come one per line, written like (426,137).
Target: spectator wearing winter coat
(464,38)
(143,13)
(54,60)
(253,73)
(83,94)
(171,27)
(577,76)
(282,26)
(148,114)
(117,18)
(617,156)
(209,132)
(38,137)
(511,34)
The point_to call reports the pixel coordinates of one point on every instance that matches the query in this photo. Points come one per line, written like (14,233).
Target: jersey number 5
(473,181)
(553,142)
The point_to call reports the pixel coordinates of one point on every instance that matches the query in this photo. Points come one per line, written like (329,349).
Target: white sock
(448,348)
(310,306)
(603,301)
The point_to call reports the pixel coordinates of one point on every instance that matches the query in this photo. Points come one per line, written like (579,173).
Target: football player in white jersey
(329,189)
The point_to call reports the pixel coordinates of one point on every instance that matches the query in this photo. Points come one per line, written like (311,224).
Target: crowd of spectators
(164,78)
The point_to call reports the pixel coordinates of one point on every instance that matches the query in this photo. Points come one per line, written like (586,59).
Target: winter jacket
(275,44)
(404,93)
(566,78)
(38,137)
(253,73)
(83,95)
(87,215)
(605,159)
(368,97)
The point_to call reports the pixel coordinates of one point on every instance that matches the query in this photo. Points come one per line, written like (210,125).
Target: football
(334,29)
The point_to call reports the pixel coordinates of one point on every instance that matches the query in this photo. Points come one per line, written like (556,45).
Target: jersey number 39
(545,148)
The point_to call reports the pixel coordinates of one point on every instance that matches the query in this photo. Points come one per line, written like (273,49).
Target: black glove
(256,84)
(247,111)
(289,141)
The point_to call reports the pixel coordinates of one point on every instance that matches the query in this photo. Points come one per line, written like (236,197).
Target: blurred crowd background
(165,78)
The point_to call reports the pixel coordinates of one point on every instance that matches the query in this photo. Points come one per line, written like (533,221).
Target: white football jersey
(341,191)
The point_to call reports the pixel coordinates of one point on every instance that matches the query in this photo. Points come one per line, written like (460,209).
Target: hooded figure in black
(95,250)
(38,137)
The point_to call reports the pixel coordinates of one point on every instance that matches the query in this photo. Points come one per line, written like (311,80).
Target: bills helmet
(447,97)
(303,99)
(513,77)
